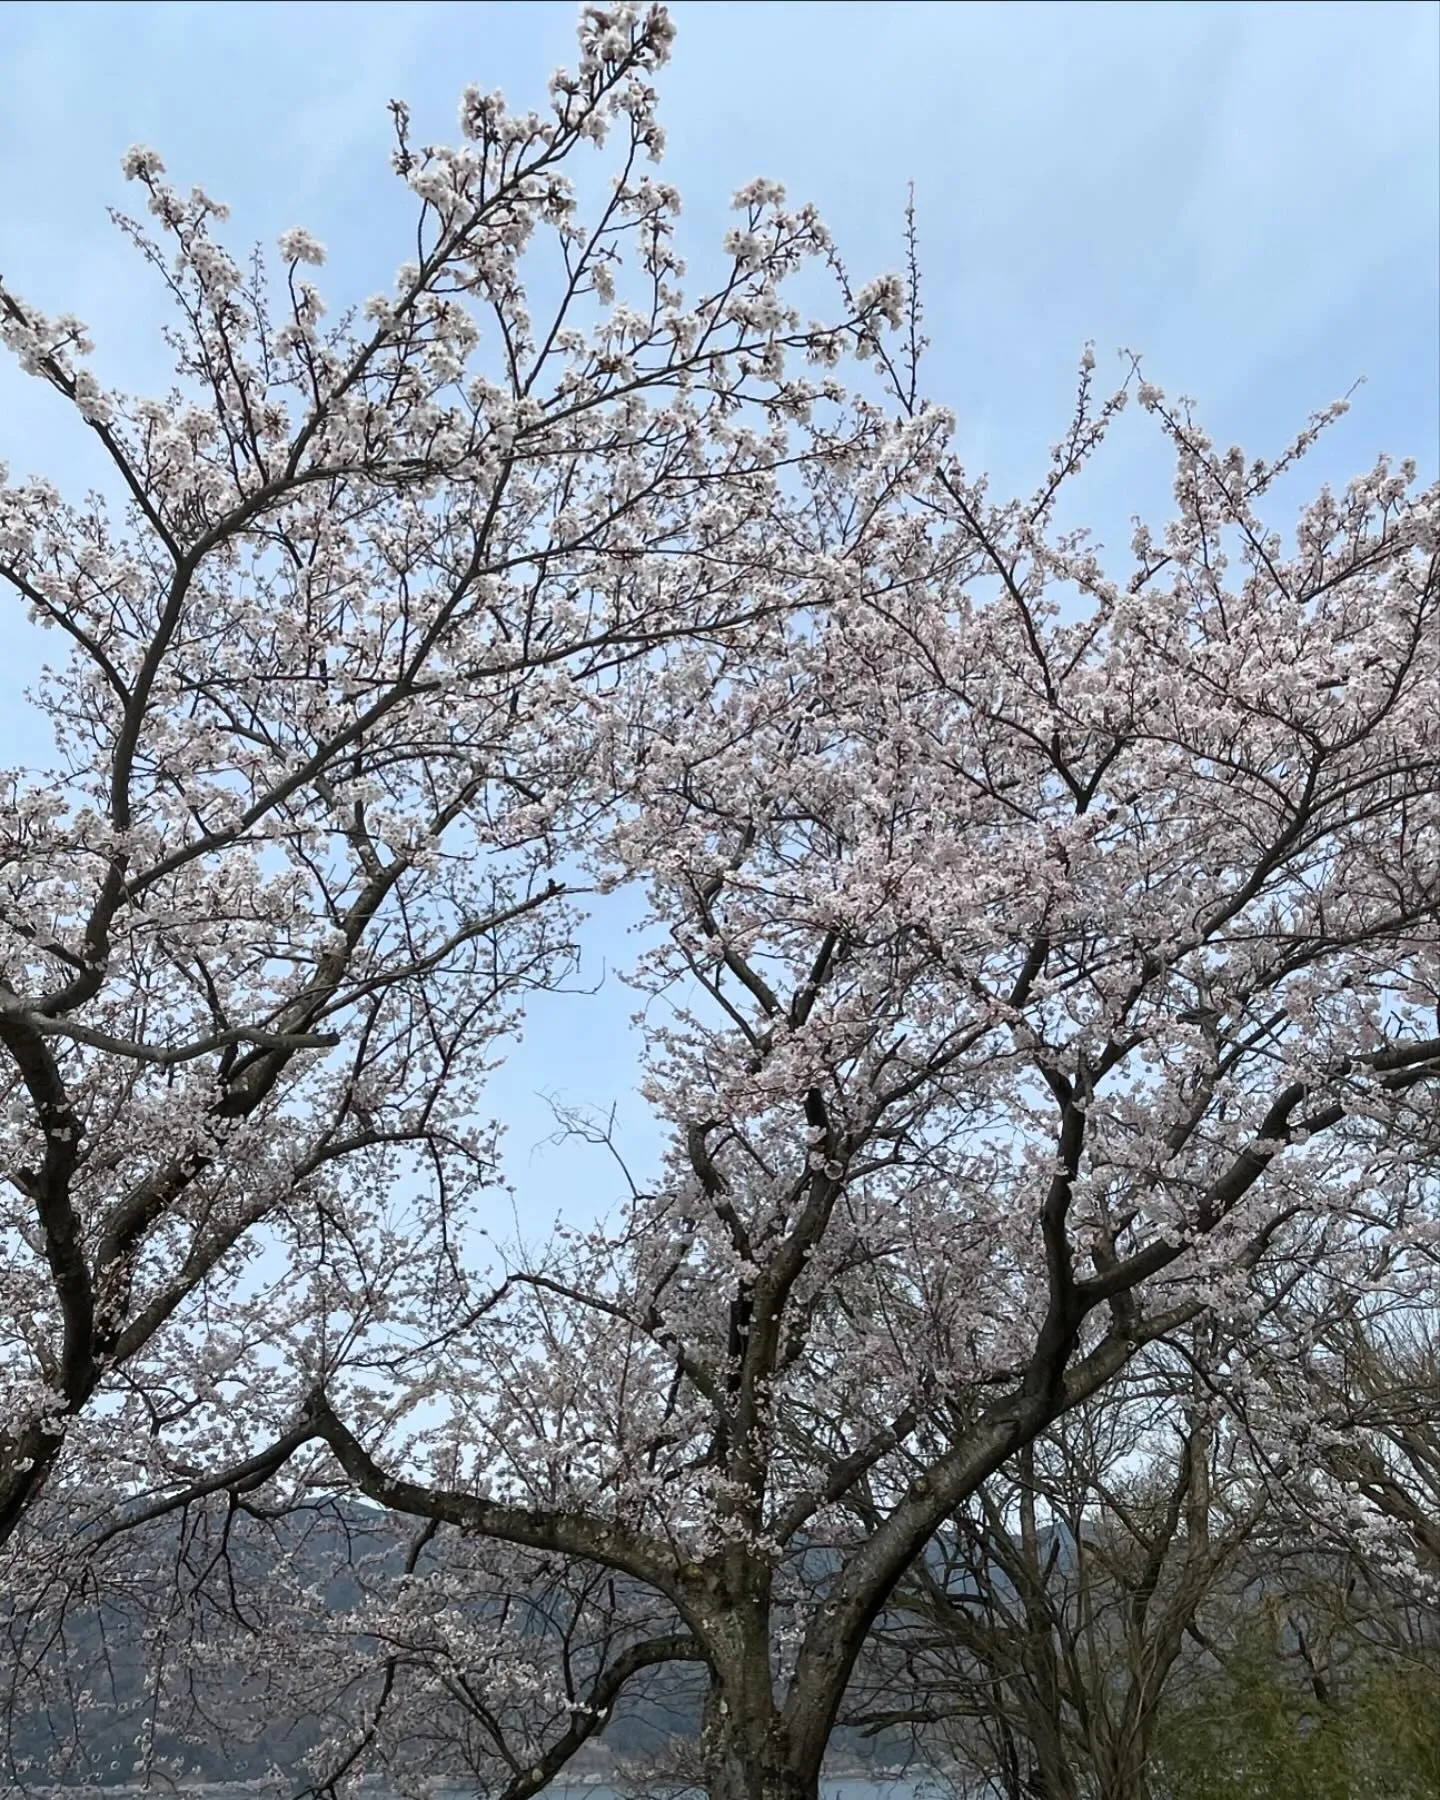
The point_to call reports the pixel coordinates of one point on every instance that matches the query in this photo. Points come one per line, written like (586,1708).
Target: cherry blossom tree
(302,1647)
(1379,1406)
(337,645)
(1341,1404)
(1044,948)
(1050,961)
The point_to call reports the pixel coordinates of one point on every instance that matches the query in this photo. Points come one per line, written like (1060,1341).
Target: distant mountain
(79,1721)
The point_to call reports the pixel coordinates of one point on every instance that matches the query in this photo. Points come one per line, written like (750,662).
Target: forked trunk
(1125,1779)
(746,1752)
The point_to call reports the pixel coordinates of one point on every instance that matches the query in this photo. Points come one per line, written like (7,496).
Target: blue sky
(1249,194)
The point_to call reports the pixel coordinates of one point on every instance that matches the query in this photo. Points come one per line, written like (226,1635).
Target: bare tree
(1036,1639)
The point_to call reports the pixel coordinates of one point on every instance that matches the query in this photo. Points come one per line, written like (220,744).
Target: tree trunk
(1051,1777)
(25,1462)
(1052,1774)
(745,1748)
(1123,1777)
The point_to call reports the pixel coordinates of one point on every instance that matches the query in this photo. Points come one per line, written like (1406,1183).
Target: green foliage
(1264,1729)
